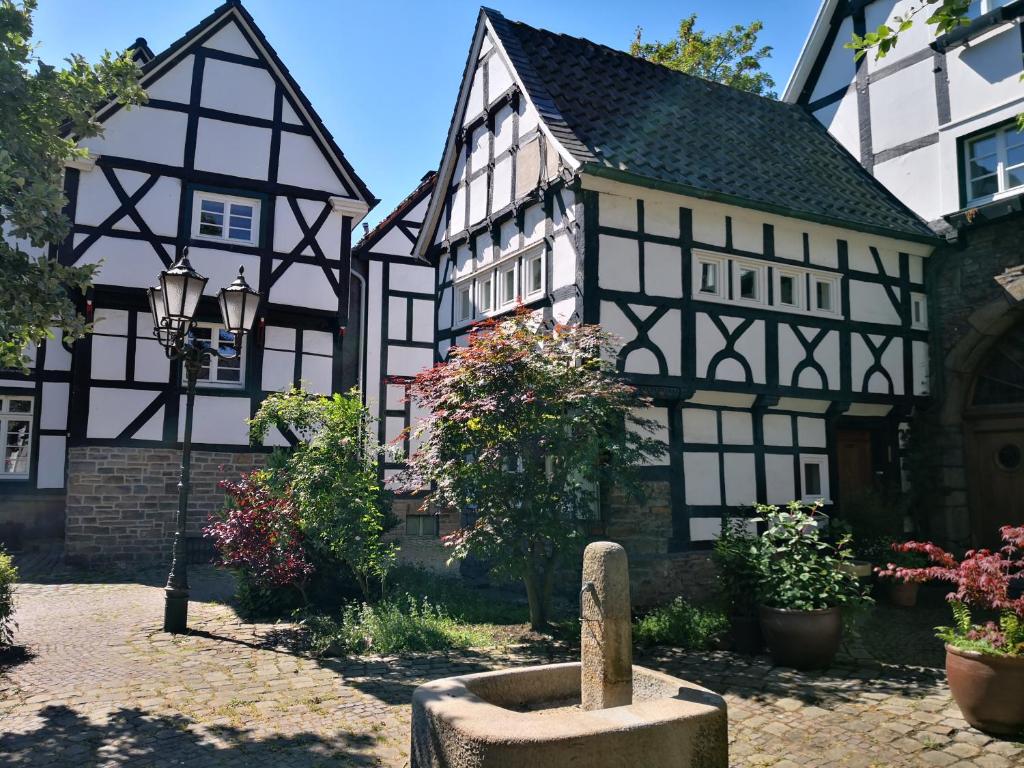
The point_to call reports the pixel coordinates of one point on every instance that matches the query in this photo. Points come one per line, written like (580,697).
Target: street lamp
(173,304)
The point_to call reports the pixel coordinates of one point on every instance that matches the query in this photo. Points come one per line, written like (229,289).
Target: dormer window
(227,218)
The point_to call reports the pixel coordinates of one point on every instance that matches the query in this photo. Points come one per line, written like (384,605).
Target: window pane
(244,235)
(238,209)
(748,283)
(987,186)
(787,289)
(708,278)
(20,406)
(812,479)
(983,166)
(1015,155)
(485,294)
(982,147)
(508,286)
(212,206)
(1015,177)
(465,304)
(17,432)
(824,295)
(535,275)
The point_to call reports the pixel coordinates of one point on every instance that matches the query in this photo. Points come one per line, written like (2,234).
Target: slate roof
(644,123)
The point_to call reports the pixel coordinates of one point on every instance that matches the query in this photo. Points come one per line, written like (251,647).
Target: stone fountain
(599,713)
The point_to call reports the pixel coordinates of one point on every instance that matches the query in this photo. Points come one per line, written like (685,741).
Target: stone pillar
(606,633)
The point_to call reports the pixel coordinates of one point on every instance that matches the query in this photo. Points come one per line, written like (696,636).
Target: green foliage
(8,578)
(946,15)
(526,425)
(394,625)
(463,603)
(731,57)
(45,112)
(735,555)
(680,625)
(331,478)
(798,569)
(1005,638)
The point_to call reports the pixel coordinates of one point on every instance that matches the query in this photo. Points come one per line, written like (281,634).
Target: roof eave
(628,177)
(809,51)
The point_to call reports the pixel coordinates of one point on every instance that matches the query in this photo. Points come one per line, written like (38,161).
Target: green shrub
(681,625)
(393,625)
(8,578)
(461,602)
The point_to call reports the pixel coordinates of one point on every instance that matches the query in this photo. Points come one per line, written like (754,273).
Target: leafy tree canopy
(526,424)
(45,111)
(731,57)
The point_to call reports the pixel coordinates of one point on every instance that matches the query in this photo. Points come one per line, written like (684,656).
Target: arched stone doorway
(994,438)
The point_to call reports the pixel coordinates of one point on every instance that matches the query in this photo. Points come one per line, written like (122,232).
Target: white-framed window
(994,163)
(16,433)
(533,274)
(709,277)
(825,294)
(748,282)
(508,288)
(485,293)
(217,372)
(918,311)
(225,217)
(789,289)
(981,7)
(464,303)
(813,478)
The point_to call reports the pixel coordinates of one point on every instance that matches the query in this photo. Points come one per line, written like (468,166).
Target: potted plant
(734,554)
(902,590)
(802,586)
(984,662)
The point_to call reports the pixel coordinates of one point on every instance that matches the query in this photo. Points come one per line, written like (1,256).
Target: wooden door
(855,470)
(995,465)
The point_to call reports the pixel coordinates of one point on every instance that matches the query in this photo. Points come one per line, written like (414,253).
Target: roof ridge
(428,180)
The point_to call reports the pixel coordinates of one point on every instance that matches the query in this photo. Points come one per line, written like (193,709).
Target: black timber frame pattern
(399,219)
(268,190)
(673,392)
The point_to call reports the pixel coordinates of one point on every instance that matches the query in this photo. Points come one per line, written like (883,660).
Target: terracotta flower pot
(988,689)
(745,634)
(802,639)
(903,594)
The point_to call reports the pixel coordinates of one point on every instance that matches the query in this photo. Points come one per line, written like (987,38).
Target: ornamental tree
(45,112)
(331,477)
(526,424)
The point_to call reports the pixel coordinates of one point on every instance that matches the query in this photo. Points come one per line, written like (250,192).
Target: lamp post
(173,304)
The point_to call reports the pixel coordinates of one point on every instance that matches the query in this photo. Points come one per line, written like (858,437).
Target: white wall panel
(396,318)
(54,413)
(159,208)
(238,150)
(238,88)
(316,372)
(409,361)
(175,84)
(111,410)
(740,479)
(405,277)
(142,133)
(221,268)
(701,478)
(778,429)
(617,212)
(779,475)
(840,118)
(916,177)
(618,265)
(869,302)
(838,71)
(302,164)
(229,38)
(151,363)
(700,425)
(109,354)
(663,270)
(891,95)
(51,461)
(278,370)
(303,285)
(986,73)
(217,420)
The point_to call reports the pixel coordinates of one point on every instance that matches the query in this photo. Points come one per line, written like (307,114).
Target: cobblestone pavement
(101,685)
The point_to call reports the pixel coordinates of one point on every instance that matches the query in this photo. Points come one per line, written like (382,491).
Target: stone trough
(598,713)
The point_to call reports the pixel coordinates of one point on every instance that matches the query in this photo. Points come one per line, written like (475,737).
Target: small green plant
(735,555)
(8,578)
(797,568)
(394,625)
(463,603)
(680,625)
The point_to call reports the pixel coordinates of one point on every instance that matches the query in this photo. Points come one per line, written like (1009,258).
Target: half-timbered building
(229,159)
(935,121)
(767,290)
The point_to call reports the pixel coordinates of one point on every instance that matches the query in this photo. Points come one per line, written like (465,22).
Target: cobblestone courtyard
(101,685)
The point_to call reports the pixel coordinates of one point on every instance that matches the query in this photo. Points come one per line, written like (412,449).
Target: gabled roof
(154,65)
(414,198)
(618,116)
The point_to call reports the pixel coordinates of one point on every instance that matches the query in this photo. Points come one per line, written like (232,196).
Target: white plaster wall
(217,420)
(409,361)
(986,73)
(779,476)
(838,71)
(916,178)
(869,302)
(221,268)
(740,480)
(302,164)
(111,410)
(238,150)
(126,263)
(304,285)
(230,39)
(903,106)
(618,266)
(701,478)
(175,84)
(54,413)
(238,88)
(660,418)
(142,133)
(50,471)
(840,118)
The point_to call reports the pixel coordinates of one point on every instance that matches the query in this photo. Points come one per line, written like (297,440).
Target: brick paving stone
(104,686)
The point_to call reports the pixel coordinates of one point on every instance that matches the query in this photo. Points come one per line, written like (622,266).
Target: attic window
(223,217)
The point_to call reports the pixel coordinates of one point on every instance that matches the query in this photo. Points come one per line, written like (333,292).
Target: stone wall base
(122,501)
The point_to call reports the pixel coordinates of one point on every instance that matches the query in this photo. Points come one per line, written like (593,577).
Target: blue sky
(384,75)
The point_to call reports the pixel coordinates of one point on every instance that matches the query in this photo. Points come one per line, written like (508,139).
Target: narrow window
(748,284)
(789,290)
(812,479)
(709,277)
(16,434)
(507,286)
(823,295)
(421,525)
(465,303)
(535,275)
(486,297)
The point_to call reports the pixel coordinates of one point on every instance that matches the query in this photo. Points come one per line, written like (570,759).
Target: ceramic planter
(903,594)
(988,689)
(860,568)
(802,639)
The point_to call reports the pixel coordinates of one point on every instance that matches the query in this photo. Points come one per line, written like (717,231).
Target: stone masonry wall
(422,551)
(121,501)
(967,310)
